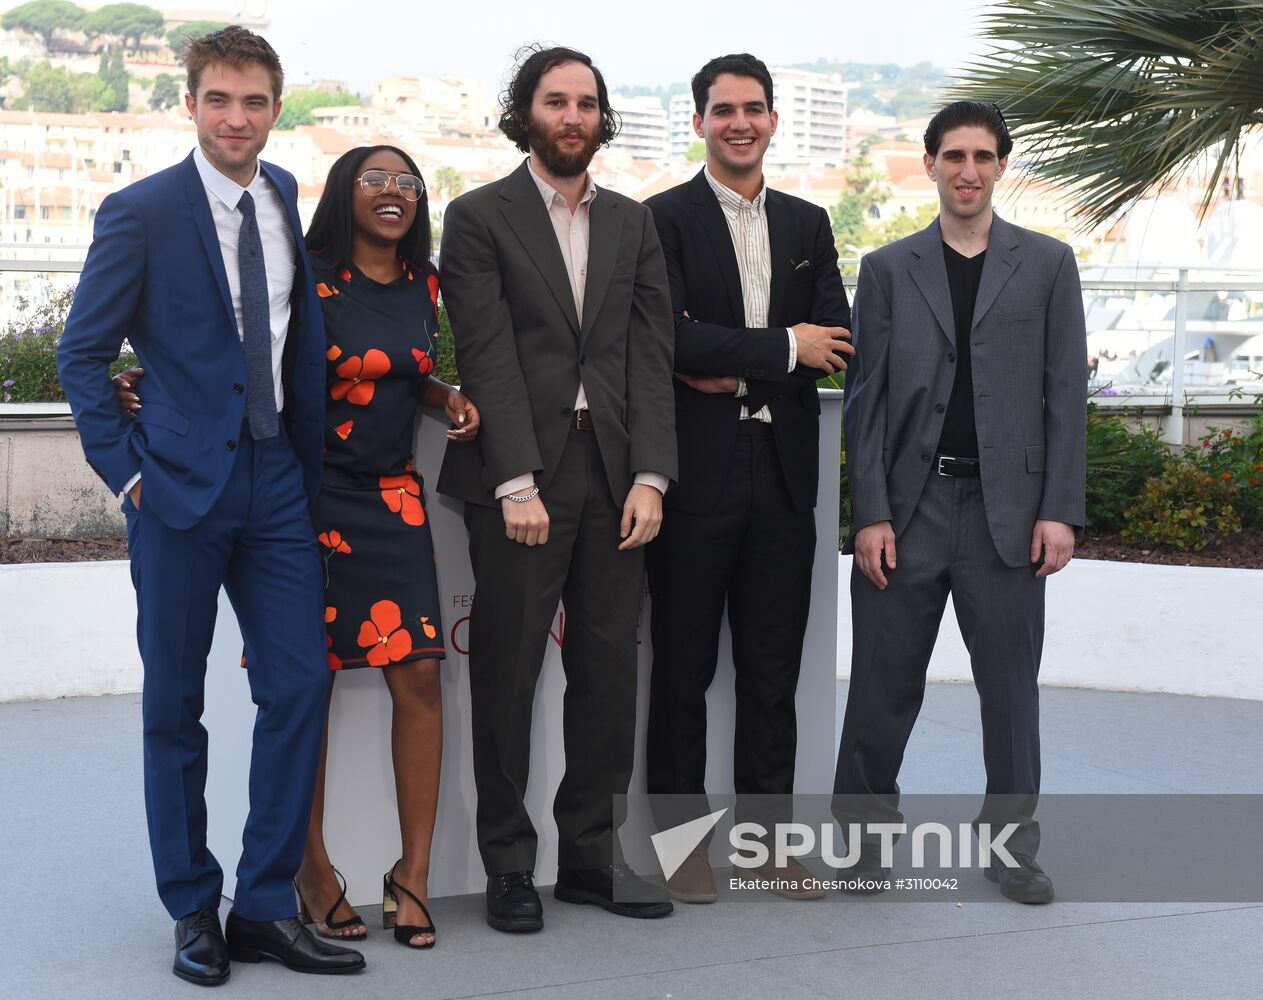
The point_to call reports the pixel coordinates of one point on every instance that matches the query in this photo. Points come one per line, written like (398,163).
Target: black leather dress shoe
(290,943)
(513,904)
(201,955)
(866,877)
(1027,883)
(615,888)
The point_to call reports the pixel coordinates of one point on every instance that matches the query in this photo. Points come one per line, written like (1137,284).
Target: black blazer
(714,340)
(521,349)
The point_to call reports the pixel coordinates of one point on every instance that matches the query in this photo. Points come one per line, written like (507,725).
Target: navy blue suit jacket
(154,276)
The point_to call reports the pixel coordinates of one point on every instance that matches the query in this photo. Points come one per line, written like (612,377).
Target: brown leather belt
(582,420)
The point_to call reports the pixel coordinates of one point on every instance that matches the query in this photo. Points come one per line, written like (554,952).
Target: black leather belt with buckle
(946,465)
(582,420)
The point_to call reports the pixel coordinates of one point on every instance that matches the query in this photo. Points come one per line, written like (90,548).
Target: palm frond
(1115,99)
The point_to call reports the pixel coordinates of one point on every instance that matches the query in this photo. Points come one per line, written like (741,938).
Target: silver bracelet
(530,496)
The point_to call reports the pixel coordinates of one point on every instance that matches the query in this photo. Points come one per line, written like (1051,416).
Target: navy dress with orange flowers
(381,592)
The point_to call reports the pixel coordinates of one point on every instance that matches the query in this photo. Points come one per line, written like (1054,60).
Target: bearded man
(561,318)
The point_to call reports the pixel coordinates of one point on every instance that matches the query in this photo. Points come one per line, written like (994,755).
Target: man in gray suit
(965,443)
(561,316)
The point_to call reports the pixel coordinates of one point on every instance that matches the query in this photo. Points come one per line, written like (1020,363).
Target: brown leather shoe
(792,881)
(693,881)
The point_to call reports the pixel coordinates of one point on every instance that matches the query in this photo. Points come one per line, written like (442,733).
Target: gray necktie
(256,325)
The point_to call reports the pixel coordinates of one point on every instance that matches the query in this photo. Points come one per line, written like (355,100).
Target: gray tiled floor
(81,918)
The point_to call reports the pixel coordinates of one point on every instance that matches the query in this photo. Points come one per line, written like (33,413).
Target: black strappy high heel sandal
(404,933)
(329,924)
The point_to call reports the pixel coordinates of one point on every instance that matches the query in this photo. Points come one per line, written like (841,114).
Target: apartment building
(436,105)
(646,132)
(812,118)
(680,119)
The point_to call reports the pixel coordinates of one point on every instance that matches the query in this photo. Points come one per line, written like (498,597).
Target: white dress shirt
(747,225)
(223,193)
(573,230)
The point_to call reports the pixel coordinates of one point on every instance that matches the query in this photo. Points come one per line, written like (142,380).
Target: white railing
(22,263)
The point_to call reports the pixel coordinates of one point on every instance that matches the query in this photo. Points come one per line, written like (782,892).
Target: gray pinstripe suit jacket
(1029,358)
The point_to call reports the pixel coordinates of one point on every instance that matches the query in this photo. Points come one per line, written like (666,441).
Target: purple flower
(8,383)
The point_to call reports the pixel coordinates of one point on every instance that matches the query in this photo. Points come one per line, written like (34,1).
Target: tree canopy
(167,91)
(43,18)
(299,105)
(178,38)
(449,182)
(1115,99)
(114,77)
(56,89)
(129,21)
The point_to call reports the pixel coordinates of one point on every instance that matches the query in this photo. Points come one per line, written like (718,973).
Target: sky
(649,42)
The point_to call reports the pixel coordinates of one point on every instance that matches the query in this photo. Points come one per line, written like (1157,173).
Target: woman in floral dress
(370,245)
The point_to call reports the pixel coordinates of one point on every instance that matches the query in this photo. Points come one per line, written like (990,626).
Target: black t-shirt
(960,436)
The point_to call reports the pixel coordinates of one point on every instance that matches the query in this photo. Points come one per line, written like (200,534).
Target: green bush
(28,352)
(1235,457)
(1120,461)
(445,362)
(1184,508)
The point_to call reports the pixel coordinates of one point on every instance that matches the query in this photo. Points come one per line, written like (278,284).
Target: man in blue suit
(201,267)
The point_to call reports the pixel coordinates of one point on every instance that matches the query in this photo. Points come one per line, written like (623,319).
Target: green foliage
(129,21)
(855,232)
(867,189)
(43,18)
(1120,461)
(114,77)
(167,90)
(897,226)
(448,182)
(299,104)
(1184,508)
(850,225)
(844,486)
(55,89)
(1116,99)
(1235,457)
(48,89)
(178,38)
(696,153)
(28,352)
(445,357)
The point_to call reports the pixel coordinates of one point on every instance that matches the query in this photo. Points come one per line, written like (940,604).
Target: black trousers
(516,593)
(753,554)
(946,548)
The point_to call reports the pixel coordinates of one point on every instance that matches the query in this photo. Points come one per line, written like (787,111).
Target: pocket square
(798,265)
